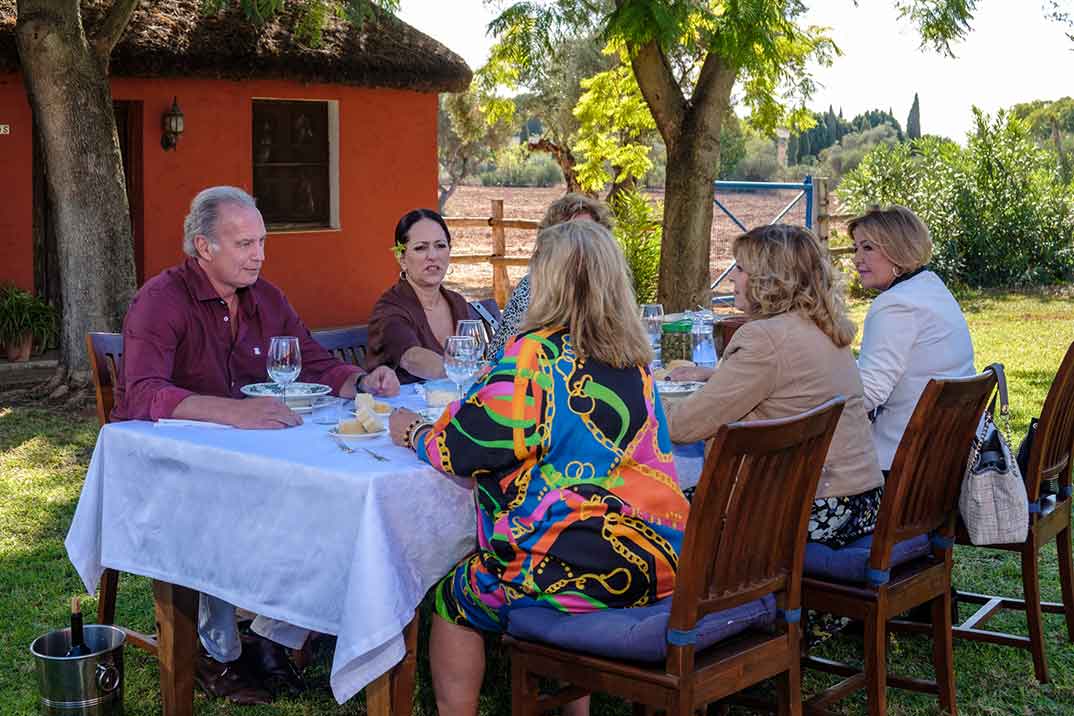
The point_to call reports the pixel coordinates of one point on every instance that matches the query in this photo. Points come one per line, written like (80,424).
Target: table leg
(392,694)
(176,609)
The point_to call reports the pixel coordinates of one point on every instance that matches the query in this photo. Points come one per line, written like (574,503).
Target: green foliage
(913,121)
(514,166)
(997,212)
(466,139)
(840,158)
(22,312)
(638,230)
(874,118)
(615,130)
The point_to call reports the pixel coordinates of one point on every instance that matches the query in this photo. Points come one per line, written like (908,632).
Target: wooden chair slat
(349,344)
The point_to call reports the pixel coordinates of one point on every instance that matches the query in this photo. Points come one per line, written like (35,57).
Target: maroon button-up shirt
(177,342)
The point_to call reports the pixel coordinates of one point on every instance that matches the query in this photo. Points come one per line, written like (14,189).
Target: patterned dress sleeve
(498,425)
(511,320)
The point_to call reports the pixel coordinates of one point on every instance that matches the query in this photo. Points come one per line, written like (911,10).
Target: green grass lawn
(44,455)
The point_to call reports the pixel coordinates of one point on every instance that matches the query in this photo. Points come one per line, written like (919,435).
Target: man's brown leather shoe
(231,681)
(272,664)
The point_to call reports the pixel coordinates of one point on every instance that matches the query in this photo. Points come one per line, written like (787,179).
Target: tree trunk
(564,158)
(67,84)
(691,131)
(687,236)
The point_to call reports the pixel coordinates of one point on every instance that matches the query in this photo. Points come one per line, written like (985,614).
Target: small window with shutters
(293,161)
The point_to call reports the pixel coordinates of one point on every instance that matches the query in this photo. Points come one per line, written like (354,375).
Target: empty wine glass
(652,316)
(284,362)
(476,329)
(460,360)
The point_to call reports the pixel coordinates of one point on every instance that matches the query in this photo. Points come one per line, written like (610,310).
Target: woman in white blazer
(914,329)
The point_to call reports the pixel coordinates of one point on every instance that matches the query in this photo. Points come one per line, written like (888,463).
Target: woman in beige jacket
(792,356)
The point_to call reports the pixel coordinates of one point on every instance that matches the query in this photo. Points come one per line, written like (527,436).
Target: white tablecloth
(280,522)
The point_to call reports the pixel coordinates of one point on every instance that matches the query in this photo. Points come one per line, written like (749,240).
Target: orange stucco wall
(16,187)
(387,165)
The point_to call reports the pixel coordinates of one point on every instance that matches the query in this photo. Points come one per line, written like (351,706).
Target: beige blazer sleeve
(745,377)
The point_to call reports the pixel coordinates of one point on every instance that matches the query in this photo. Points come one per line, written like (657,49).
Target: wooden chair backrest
(105,353)
(349,344)
(921,493)
(1050,455)
(746,534)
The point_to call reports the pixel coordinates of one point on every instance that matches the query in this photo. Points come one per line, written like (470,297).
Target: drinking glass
(477,330)
(652,316)
(460,360)
(284,362)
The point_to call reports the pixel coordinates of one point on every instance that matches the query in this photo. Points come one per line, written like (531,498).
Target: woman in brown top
(413,319)
(791,356)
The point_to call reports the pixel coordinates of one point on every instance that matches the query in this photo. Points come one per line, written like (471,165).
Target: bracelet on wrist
(412,432)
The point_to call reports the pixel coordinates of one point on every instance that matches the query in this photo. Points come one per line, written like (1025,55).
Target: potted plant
(24,320)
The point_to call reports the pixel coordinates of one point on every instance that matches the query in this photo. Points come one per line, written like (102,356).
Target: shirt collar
(203,289)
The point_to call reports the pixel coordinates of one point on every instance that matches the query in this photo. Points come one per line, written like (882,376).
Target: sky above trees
(1013,54)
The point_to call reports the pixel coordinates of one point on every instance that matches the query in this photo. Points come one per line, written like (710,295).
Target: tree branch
(111,29)
(662,93)
(712,93)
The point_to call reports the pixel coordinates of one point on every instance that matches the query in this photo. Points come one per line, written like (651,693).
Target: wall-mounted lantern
(172,124)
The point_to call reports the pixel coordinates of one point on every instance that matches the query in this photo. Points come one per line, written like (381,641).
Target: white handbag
(993,501)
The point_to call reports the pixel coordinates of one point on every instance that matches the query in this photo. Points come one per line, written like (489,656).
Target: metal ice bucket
(90,685)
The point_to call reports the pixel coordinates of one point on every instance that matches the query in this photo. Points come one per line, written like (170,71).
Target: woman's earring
(402,275)
(895,273)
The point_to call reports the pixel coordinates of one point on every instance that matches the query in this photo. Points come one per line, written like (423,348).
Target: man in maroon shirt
(193,336)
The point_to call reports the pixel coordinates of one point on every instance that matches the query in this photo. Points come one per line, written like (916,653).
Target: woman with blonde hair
(569,207)
(578,502)
(791,356)
(914,329)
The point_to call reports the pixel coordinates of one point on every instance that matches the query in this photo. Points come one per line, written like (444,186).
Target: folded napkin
(176,423)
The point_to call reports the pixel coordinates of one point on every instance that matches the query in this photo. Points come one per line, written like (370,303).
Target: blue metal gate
(805,191)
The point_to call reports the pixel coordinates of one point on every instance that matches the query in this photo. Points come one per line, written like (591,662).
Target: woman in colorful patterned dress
(578,503)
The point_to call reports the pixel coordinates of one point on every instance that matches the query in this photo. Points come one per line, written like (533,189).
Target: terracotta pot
(19,351)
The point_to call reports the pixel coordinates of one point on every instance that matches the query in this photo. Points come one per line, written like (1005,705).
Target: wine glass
(476,329)
(460,360)
(652,316)
(284,362)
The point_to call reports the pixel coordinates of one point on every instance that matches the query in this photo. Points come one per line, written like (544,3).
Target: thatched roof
(172,38)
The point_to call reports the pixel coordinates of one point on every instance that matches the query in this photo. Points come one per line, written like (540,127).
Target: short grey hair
(205,210)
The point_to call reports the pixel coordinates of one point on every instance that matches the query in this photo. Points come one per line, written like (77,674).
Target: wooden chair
(105,354)
(725,329)
(105,351)
(349,344)
(909,560)
(1049,519)
(758,475)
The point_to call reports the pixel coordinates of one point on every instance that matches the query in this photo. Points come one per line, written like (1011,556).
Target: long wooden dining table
(281,523)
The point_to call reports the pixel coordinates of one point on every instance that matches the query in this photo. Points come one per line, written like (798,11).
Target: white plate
(347,437)
(672,387)
(296,391)
(431,414)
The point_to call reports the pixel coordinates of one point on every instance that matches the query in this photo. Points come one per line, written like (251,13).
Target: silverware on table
(375,456)
(342,446)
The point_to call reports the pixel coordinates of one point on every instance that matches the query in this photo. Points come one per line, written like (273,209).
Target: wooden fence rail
(498,224)
(498,258)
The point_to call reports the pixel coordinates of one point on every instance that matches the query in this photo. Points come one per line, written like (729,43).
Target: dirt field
(751,208)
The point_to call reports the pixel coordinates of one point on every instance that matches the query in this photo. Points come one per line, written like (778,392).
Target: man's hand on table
(381,381)
(263,413)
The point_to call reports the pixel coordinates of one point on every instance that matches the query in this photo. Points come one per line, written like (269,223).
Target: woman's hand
(691,372)
(398,423)
(381,381)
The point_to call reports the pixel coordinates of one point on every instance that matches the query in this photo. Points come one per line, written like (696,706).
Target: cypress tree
(913,122)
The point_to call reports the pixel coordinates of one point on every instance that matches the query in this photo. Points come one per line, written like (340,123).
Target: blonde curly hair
(790,271)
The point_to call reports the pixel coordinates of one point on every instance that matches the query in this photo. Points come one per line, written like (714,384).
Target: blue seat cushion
(850,563)
(636,634)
